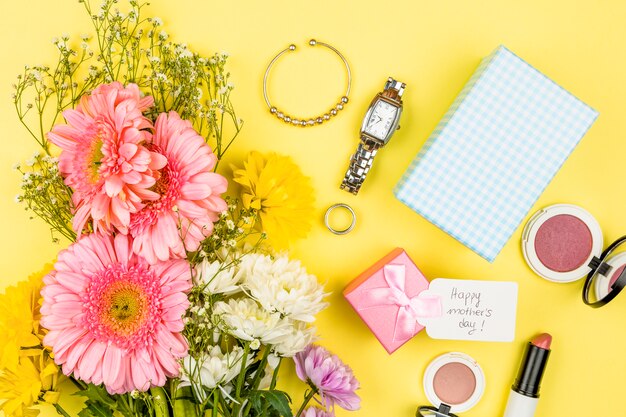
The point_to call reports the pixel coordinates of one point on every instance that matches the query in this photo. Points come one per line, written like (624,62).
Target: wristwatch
(380,122)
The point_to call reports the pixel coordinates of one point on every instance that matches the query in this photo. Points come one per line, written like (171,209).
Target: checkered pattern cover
(493,153)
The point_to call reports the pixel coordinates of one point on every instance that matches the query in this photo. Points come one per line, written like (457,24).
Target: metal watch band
(394,90)
(360,164)
(361,160)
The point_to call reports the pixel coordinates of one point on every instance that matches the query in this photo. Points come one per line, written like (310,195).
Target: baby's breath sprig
(136,49)
(233,238)
(45,195)
(233,230)
(198,88)
(43,92)
(130,48)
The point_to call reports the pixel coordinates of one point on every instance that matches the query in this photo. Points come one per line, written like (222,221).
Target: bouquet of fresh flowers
(169,300)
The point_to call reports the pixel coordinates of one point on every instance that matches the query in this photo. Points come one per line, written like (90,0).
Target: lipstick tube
(525,391)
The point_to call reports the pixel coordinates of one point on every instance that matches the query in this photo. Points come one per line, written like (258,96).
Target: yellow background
(433,46)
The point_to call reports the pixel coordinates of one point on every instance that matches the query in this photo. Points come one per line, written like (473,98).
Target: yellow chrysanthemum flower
(34,376)
(19,320)
(274,186)
(27,372)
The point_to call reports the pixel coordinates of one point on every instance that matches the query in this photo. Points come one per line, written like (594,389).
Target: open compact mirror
(427,411)
(564,242)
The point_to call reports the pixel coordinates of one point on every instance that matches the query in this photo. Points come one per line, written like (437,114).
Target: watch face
(381,119)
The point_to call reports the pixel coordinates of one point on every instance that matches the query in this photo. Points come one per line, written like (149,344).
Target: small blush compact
(453,382)
(564,243)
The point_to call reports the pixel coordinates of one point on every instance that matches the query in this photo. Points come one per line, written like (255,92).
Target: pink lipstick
(542,341)
(525,391)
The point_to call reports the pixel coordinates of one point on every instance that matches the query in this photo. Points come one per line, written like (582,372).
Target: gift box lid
(493,153)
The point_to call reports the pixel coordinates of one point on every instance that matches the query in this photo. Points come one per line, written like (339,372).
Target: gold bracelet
(314,120)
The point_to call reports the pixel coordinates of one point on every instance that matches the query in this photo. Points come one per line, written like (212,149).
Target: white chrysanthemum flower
(213,369)
(300,337)
(246,320)
(283,286)
(216,279)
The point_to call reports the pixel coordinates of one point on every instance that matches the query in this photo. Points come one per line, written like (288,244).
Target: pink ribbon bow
(423,305)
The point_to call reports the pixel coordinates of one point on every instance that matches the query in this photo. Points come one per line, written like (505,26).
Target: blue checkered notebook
(493,153)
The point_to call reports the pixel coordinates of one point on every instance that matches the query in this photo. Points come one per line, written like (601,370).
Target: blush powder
(563,243)
(454,383)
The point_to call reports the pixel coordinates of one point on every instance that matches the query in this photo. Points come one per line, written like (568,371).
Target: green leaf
(95,410)
(277,401)
(99,403)
(96,393)
(255,400)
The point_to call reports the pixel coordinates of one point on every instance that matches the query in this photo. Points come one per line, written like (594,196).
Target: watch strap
(394,90)
(360,164)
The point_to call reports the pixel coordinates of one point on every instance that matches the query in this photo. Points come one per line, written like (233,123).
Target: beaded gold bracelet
(303,122)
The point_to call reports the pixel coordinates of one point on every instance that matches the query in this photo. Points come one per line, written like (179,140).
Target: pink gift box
(393,277)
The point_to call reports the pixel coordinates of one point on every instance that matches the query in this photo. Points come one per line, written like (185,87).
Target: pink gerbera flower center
(163,182)
(92,157)
(168,186)
(122,304)
(94,161)
(124,308)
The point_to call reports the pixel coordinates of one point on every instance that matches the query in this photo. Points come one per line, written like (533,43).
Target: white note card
(473,310)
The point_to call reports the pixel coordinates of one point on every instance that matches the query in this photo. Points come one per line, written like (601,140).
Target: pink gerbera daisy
(102,157)
(189,194)
(112,317)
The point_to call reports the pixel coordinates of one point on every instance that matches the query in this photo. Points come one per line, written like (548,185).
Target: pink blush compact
(559,242)
(563,243)
(454,379)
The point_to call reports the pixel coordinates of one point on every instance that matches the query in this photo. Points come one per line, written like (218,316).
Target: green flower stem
(257,378)
(308,398)
(274,381)
(79,384)
(181,406)
(215,400)
(60,410)
(242,374)
(159,399)
(260,370)
(275,375)
(225,409)
(240,379)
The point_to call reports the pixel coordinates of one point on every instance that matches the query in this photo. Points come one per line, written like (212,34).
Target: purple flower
(326,373)
(317,412)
